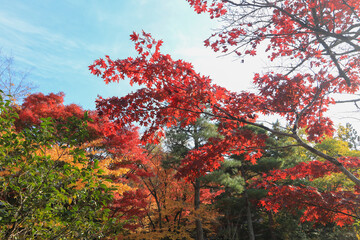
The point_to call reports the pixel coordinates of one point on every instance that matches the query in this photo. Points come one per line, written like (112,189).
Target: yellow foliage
(57,153)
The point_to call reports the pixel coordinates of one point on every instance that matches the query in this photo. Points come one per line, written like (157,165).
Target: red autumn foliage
(317,43)
(175,92)
(312,170)
(338,205)
(312,32)
(129,205)
(169,200)
(37,106)
(209,157)
(163,102)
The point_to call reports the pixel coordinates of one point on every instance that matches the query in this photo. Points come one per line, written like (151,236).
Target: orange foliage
(170,207)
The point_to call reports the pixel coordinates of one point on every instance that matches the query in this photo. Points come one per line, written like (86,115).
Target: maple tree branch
(348,101)
(279,147)
(335,61)
(242,120)
(151,221)
(351,8)
(297,66)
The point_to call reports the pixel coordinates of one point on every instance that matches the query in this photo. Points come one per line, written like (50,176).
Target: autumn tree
(319,37)
(300,98)
(317,43)
(168,201)
(117,152)
(48,188)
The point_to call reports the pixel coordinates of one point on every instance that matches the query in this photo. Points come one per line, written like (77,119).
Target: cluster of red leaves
(37,106)
(208,196)
(124,142)
(209,157)
(128,205)
(216,9)
(126,149)
(338,206)
(296,96)
(170,87)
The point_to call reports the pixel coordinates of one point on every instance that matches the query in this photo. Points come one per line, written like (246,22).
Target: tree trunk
(248,210)
(271,226)
(248,217)
(199,228)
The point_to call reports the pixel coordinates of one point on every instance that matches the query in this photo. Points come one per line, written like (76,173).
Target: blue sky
(57,41)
